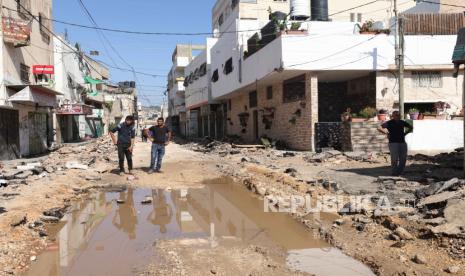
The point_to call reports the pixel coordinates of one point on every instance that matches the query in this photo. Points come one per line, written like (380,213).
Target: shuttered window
(431,79)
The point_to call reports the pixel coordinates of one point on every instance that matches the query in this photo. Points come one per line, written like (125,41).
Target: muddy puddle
(100,236)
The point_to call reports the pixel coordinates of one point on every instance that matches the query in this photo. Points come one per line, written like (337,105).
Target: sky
(146,53)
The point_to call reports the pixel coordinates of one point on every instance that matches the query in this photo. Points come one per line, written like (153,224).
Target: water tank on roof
(320,10)
(300,9)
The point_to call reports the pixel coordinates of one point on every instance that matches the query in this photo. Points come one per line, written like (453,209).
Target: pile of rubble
(451,160)
(93,157)
(338,157)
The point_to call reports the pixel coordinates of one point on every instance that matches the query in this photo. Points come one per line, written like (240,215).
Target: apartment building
(283,84)
(27,94)
(182,56)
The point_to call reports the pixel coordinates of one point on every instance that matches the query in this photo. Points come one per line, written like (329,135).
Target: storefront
(34,105)
(70,129)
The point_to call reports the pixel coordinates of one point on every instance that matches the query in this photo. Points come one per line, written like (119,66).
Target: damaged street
(71,212)
(232,137)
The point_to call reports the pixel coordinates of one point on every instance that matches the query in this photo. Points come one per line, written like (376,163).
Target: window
(41,78)
(24,72)
(359,17)
(352,17)
(215,76)
(203,70)
(44,25)
(229,105)
(23,6)
(228,67)
(294,89)
(253,99)
(221,20)
(432,79)
(269,93)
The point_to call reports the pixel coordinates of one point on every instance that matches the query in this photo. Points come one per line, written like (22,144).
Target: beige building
(27,95)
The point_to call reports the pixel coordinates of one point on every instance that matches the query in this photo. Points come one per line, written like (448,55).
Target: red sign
(74,109)
(16,31)
(43,69)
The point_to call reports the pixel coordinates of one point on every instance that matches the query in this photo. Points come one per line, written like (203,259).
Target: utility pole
(399,52)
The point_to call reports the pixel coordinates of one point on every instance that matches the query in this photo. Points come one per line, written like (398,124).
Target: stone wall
(293,122)
(363,137)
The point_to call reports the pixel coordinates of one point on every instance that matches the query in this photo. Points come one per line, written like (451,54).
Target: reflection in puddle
(102,237)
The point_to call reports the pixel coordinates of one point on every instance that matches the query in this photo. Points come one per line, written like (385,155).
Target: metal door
(37,124)
(9,134)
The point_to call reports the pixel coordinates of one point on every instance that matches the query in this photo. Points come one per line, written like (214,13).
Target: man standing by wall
(395,130)
(125,142)
(160,136)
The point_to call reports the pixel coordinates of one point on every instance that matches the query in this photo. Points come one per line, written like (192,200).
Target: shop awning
(91,80)
(34,94)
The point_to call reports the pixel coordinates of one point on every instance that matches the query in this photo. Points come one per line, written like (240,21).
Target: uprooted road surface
(71,214)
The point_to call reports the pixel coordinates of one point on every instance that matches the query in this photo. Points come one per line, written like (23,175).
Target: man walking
(395,130)
(160,136)
(125,142)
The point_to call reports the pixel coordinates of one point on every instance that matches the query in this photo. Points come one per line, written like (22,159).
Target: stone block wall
(363,136)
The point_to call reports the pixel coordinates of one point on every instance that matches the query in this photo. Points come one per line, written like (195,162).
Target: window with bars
(23,8)
(431,79)
(24,73)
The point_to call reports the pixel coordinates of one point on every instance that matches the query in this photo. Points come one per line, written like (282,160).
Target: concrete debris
(452,269)
(3,182)
(76,165)
(450,185)
(49,219)
(403,234)
(18,220)
(454,218)
(55,212)
(439,198)
(25,167)
(24,175)
(91,177)
(419,259)
(9,175)
(120,201)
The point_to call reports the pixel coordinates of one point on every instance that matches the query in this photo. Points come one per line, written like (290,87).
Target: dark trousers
(398,157)
(123,150)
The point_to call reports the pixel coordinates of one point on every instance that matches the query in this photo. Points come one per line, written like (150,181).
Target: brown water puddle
(102,237)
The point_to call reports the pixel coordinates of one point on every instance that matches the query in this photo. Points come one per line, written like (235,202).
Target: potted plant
(413,112)
(368,113)
(382,115)
(367,27)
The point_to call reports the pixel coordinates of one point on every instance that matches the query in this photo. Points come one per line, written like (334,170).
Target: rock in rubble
(439,198)
(120,201)
(18,220)
(449,185)
(93,177)
(290,171)
(452,269)
(333,153)
(49,219)
(288,154)
(428,190)
(65,150)
(403,234)
(38,170)
(9,175)
(76,165)
(419,259)
(355,155)
(316,158)
(24,175)
(455,220)
(49,169)
(3,182)
(55,212)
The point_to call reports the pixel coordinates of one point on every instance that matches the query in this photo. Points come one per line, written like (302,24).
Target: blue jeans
(158,151)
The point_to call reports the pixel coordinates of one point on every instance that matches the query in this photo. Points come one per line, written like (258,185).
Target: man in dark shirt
(395,130)
(125,142)
(160,136)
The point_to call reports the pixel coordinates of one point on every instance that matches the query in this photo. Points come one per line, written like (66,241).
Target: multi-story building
(27,95)
(182,56)
(281,79)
